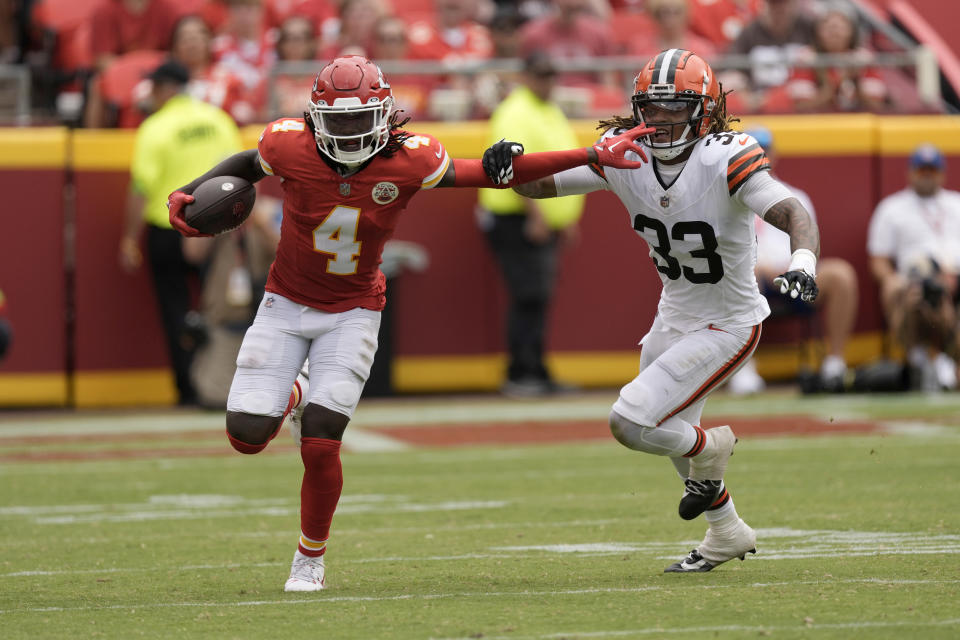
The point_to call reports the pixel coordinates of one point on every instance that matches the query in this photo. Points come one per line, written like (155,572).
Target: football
(220,204)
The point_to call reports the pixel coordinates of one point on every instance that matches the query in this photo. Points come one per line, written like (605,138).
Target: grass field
(147,525)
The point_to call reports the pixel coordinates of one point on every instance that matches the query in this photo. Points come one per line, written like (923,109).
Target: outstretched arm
(609,152)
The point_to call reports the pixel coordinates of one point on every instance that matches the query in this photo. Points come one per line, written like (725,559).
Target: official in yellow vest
(182,139)
(526,235)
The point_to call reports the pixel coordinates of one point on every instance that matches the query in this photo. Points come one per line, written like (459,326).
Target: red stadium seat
(117,82)
(69,22)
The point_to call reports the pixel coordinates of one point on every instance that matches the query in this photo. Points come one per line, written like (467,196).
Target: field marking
(758,629)
(203,506)
(796,544)
(322,597)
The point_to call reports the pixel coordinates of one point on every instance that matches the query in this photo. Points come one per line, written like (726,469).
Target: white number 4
(337,235)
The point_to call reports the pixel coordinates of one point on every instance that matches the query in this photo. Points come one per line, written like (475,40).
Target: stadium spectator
(325,291)
(722,21)
(772,41)
(837,301)
(284,94)
(411,91)
(122,26)
(671,21)
(244,46)
(571,32)
(490,88)
(181,138)
(526,236)
(852,88)
(914,248)
(700,192)
(353,32)
(454,34)
(13,36)
(209,81)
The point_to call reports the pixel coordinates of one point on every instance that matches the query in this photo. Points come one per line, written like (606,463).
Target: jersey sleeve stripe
(265,165)
(736,181)
(431,180)
(597,169)
(742,157)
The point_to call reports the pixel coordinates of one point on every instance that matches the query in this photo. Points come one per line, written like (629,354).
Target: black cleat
(698,495)
(695,563)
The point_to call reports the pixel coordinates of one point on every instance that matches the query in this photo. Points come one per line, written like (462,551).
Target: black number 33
(670,266)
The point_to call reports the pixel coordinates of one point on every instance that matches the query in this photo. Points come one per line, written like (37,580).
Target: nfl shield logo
(664,201)
(344,189)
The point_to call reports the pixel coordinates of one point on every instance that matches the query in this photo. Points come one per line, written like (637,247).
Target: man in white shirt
(837,301)
(914,248)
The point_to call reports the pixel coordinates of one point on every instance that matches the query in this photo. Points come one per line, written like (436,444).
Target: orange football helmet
(350,107)
(675,80)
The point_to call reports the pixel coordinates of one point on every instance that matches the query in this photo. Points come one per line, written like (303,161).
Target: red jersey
(334,228)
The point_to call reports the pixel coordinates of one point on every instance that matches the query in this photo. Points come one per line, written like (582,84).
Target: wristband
(803,260)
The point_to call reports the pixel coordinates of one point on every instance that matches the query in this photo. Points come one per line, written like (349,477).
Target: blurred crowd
(88,58)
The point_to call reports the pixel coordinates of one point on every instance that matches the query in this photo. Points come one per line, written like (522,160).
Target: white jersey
(700,234)
(907,228)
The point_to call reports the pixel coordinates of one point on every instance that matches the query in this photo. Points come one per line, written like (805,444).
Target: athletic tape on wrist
(804,260)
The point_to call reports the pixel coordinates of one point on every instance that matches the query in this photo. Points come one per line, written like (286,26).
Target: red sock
(319,493)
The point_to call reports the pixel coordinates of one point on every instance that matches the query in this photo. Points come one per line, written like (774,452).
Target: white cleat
(306,573)
(711,463)
(722,543)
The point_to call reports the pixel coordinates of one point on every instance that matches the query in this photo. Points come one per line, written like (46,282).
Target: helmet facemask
(680,118)
(350,132)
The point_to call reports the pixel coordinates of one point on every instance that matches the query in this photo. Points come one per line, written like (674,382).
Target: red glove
(611,151)
(176,203)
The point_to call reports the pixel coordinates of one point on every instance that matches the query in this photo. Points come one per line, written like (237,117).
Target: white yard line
(328,597)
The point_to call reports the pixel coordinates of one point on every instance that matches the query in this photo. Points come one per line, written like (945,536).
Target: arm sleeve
(761,191)
(526,168)
(579,180)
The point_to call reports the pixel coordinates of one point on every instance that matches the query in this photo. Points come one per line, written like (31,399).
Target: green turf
(858,538)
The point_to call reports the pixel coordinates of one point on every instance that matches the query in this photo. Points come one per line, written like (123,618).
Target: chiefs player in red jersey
(348,170)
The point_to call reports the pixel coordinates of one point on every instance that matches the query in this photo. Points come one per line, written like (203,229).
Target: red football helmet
(672,82)
(350,107)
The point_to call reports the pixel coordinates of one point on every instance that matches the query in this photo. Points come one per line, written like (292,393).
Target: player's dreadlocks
(720,121)
(397,135)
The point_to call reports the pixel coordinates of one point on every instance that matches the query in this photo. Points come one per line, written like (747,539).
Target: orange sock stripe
(724,371)
(720,501)
(698,445)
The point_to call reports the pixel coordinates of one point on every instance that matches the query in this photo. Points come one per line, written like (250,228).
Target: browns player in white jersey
(694,205)
(348,171)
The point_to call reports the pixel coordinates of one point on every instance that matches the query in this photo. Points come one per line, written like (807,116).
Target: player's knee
(250,433)
(320,422)
(625,431)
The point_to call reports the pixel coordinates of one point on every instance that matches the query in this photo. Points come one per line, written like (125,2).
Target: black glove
(498,160)
(797,283)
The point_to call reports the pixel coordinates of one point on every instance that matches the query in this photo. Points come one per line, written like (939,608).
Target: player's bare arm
(800,278)
(542,188)
(790,217)
(245,164)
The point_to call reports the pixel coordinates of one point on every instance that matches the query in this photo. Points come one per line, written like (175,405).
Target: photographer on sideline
(914,248)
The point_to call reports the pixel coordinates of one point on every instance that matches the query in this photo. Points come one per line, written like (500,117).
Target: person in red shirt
(572,32)
(348,171)
(672,31)
(244,46)
(121,26)
(836,88)
(454,35)
(721,21)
